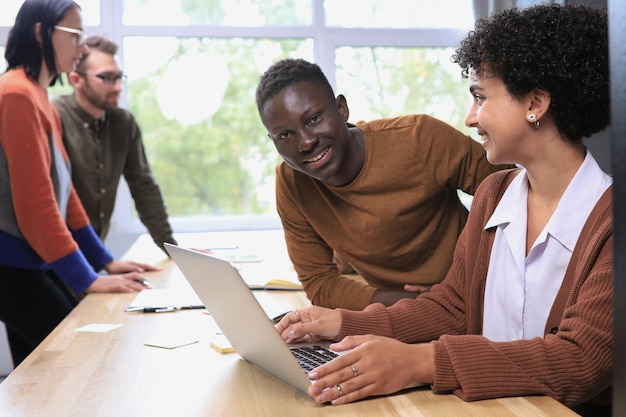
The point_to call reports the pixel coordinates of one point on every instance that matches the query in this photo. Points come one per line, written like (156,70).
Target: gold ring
(355,370)
(339,389)
(297,314)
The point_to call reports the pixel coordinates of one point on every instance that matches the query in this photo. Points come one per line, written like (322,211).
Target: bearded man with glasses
(104,142)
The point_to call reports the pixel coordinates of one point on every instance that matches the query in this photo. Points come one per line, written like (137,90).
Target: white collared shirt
(520,289)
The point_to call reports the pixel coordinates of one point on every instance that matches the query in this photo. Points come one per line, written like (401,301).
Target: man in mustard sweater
(379,196)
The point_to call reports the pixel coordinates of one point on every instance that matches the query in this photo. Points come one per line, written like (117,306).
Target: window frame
(326,40)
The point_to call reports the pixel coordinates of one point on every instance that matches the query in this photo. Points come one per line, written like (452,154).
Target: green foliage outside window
(225,165)
(222,164)
(218,166)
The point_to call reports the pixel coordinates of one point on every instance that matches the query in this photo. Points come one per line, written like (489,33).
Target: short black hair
(561,49)
(287,72)
(22,48)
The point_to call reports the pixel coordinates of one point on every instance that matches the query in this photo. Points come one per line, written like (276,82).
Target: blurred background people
(104,142)
(50,253)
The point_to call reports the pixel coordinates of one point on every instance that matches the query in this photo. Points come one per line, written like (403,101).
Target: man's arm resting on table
(390,297)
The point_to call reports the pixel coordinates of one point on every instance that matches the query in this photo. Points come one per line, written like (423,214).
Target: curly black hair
(287,72)
(561,49)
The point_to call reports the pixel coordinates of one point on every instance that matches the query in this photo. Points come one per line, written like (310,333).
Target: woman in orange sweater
(527,306)
(49,252)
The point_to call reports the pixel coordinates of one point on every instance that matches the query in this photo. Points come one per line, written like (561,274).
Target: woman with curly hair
(527,307)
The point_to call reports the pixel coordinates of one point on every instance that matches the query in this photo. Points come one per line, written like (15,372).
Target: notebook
(241,318)
(259,273)
(256,280)
(266,275)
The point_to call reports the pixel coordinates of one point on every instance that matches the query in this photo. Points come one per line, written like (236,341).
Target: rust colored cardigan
(574,360)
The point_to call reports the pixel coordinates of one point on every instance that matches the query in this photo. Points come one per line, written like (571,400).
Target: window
(90,11)
(193,66)
(398,14)
(227,13)
(194,98)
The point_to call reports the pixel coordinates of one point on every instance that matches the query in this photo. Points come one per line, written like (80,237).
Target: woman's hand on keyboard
(372,365)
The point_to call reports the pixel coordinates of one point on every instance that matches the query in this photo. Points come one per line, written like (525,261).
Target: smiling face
(308,127)
(501,120)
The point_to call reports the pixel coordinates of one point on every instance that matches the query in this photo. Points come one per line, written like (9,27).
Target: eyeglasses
(106,77)
(79,36)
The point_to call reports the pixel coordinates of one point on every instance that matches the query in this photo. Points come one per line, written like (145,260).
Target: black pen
(278,318)
(165,309)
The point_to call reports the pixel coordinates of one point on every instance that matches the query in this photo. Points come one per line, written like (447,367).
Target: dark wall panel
(617,33)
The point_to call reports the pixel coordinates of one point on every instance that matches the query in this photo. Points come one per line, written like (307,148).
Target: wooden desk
(114,374)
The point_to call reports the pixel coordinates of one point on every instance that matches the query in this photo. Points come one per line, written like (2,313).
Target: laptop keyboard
(310,357)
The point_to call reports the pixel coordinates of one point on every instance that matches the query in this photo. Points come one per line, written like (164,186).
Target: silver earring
(532,117)
(537,123)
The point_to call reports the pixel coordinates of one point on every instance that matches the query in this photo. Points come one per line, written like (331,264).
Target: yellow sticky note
(221,344)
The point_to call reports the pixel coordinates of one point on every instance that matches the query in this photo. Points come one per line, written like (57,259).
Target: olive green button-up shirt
(101,151)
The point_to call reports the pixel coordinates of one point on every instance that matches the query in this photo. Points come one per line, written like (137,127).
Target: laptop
(243,321)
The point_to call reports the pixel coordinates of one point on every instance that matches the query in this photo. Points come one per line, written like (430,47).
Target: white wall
(118,243)
(6,363)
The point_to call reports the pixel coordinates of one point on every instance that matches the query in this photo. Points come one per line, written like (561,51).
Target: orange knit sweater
(43,221)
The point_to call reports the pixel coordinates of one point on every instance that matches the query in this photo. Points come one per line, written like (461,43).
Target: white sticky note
(98,327)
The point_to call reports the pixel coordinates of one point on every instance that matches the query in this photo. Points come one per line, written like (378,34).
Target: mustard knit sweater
(397,222)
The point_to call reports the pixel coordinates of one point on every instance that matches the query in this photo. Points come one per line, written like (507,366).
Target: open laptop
(241,318)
